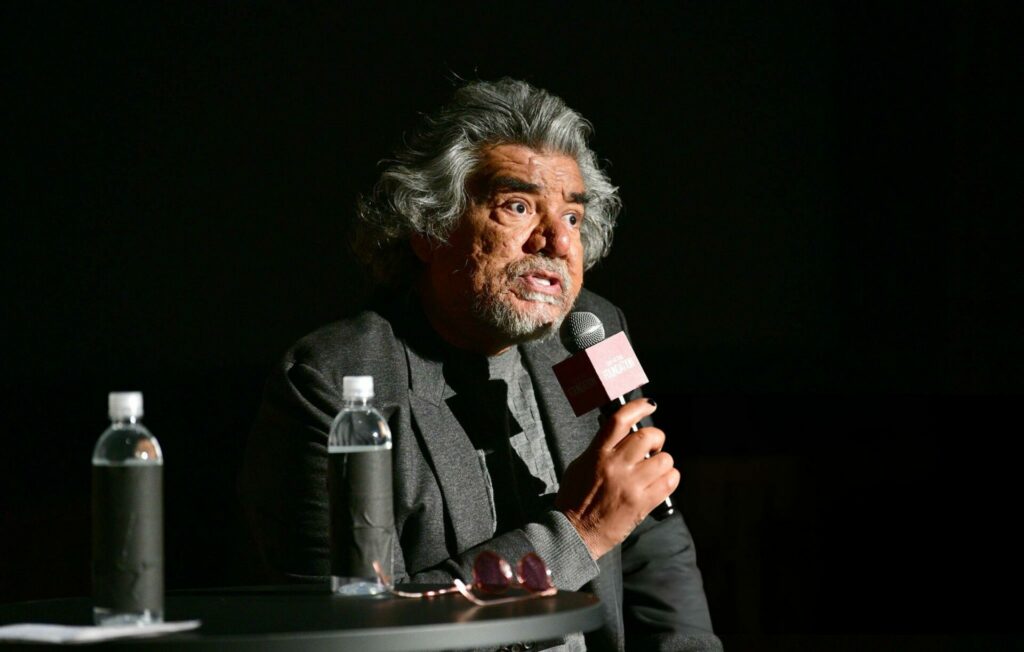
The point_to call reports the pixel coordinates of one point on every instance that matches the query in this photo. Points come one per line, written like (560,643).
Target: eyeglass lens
(492,574)
(533,573)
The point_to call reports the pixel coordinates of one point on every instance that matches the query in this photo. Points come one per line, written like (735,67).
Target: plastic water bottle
(359,491)
(127,518)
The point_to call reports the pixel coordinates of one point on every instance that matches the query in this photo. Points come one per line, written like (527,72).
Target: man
(480,231)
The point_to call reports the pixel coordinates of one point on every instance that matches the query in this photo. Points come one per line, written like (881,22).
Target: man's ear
(423,247)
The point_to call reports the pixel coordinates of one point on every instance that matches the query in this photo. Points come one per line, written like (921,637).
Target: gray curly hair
(423,189)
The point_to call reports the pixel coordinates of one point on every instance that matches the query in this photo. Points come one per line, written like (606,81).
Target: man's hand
(612,486)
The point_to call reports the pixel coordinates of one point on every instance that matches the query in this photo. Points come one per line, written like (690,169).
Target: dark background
(818,253)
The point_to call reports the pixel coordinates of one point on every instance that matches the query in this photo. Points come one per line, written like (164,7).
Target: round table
(310,620)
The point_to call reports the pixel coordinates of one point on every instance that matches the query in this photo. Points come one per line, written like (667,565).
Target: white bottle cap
(124,405)
(353,387)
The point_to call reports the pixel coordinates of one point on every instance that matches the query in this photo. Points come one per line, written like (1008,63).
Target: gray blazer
(650,588)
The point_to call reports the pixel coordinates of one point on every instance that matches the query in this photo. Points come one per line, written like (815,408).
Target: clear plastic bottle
(360,492)
(127,518)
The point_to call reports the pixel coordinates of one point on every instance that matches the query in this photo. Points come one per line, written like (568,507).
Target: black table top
(298,618)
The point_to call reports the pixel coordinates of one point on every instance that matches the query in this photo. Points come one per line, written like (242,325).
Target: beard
(497,309)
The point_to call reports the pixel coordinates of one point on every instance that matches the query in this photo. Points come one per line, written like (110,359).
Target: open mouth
(542,282)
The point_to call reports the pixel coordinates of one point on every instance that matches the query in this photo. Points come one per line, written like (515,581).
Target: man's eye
(572,219)
(518,207)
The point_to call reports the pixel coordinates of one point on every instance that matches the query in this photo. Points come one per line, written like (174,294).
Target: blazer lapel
(568,435)
(455,461)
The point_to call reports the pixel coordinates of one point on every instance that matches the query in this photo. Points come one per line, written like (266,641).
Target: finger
(662,488)
(664,478)
(646,473)
(637,445)
(618,425)
(620,422)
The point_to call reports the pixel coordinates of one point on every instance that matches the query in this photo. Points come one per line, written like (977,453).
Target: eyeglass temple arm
(461,587)
(386,581)
(466,593)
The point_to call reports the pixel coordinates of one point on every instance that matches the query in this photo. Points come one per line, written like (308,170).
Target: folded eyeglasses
(492,575)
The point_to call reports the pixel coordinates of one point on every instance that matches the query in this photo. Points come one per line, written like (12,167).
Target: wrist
(564,551)
(587,534)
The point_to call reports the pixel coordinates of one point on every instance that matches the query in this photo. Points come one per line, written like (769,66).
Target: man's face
(513,266)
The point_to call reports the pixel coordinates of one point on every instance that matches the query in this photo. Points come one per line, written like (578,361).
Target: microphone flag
(600,373)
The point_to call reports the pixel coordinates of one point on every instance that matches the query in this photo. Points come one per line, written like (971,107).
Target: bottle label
(128,537)
(362,513)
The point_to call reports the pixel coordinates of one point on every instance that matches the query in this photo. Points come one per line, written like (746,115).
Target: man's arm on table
(283,487)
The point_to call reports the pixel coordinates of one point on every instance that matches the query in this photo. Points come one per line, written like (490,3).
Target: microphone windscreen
(599,369)
(581,330)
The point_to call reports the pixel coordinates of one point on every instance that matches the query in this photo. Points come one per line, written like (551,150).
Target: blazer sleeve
(663,594)
(664,606)
(283,480)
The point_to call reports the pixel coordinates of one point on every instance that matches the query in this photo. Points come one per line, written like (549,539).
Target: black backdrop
(818,254)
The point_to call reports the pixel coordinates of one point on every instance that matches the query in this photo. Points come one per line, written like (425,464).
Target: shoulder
(362,345)
(360,334)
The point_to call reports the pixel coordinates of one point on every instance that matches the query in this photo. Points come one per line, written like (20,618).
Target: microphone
(599,373)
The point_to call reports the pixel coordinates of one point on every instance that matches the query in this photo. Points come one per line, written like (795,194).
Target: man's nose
(552,236)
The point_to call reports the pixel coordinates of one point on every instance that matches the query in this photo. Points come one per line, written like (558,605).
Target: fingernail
(653,404)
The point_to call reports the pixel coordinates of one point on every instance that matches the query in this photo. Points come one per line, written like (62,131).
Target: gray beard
(516,325)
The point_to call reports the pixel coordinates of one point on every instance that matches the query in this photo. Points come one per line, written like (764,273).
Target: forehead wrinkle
(514,184)
(518,168)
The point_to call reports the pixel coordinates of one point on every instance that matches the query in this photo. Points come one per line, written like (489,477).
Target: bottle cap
(357,387)
(124,405)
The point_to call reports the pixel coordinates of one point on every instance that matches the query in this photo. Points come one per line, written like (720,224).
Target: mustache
(554,266)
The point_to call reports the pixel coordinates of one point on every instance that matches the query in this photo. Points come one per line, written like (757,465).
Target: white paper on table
(40,633)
